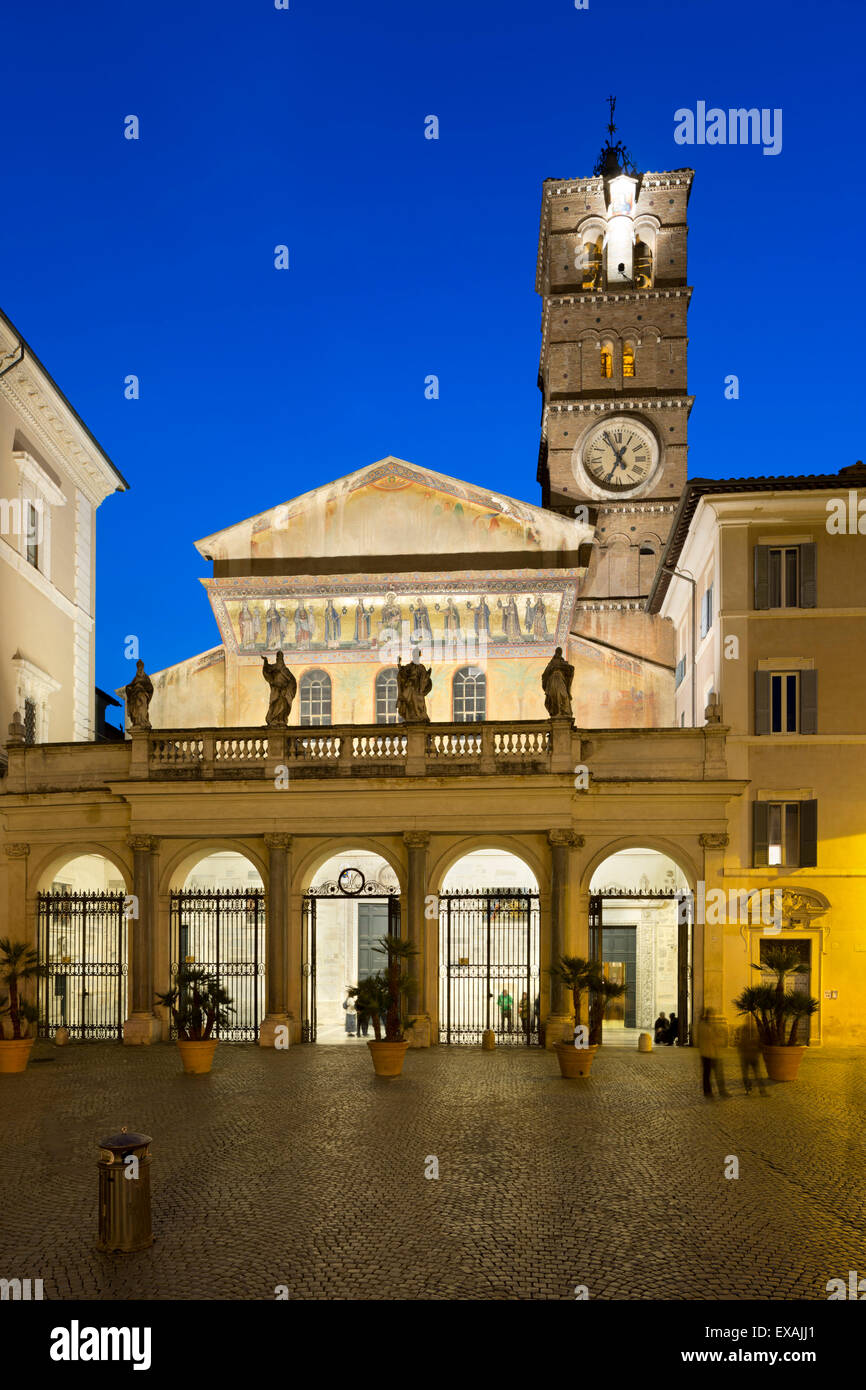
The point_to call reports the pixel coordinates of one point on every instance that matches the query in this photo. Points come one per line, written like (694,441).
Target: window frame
(310,680)
(479,680)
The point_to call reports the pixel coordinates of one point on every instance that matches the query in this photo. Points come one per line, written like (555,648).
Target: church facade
(495,837)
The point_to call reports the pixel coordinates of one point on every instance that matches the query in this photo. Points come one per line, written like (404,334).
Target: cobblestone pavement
(302,1168)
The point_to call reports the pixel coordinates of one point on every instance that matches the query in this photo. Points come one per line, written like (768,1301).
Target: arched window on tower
(591,263)
(469,695)
(607,359)
(643,265)
(386,696)
(627,358)
(315,691)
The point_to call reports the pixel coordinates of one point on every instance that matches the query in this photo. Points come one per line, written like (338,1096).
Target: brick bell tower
(613,280)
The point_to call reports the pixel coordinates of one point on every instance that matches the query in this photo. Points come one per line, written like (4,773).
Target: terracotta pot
(387,1056)
(782,1063)
(14,1054)
(575,1061)
(197,1057)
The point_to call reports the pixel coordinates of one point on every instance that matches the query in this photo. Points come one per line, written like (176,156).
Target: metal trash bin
(124,1200)
(645,1043)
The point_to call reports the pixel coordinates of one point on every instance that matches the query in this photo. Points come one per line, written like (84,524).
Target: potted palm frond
(777,1011)
(198,1004)
(380,997)
(18,962)
(577,974)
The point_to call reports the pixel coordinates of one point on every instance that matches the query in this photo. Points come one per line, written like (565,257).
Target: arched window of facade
(386,696)
(628,358)
(643,265)
(315,691)
(592,262)
(469,695)
(607,359)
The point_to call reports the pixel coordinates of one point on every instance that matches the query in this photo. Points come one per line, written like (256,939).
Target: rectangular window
(785,576)
(29,721)
(786,702)
(680,673)
(785,833)
(32,534)
(707,611)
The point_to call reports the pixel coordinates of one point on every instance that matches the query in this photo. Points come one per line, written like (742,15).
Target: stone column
(143,1027)
(559,1024)
(16,922)
(417,842)
(276,1029)
(709,938)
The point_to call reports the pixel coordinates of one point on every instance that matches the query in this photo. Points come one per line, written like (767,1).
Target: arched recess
(177,867)
(306,866)
(47,868)
(538,866)
(670,848)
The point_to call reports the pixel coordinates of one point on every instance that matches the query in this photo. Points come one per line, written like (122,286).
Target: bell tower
(613,279)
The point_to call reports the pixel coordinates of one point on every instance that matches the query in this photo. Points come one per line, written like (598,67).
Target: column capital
(568,839)
(712,839)
(143,842)
(276,839)
(20,851)
(416,839)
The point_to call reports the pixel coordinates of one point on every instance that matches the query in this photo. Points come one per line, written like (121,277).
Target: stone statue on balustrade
(556,682)
(413,683)
(138,696)
(284,688)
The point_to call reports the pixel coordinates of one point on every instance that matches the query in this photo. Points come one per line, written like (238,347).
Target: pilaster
(276,1026)
(143,1027)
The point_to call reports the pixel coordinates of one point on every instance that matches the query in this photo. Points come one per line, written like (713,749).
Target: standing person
(750,1058)
(661,1027)
(363,1022)
(711,1045)
(351,1018)
(505,1004)
(672,1033)
(523,1012)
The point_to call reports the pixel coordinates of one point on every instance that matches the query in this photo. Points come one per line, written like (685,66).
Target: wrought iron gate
(685,944)
(350,884)
(489,966)
(222,931)
(82,947)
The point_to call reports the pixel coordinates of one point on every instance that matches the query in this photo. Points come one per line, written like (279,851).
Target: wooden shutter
(808,834)
(762,702)
(808,702)
(762,576)
(808,576)
(760,834)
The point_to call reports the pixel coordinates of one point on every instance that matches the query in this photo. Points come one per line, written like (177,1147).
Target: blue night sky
(408,256)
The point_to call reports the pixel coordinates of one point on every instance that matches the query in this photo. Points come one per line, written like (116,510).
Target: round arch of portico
(508,843)
(306,865)
(45,870)
(669,848)
(179,860)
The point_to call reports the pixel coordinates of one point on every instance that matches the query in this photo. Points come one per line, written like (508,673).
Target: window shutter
(762,576)
(808,576)
(808,702)
(760,834)
(762,702)
(808,834)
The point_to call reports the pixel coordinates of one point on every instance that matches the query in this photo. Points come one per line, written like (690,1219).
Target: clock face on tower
(619,454)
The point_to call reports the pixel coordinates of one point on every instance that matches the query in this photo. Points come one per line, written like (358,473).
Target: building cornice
(622,403)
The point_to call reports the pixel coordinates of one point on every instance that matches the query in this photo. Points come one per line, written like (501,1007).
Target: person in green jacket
(505,1004)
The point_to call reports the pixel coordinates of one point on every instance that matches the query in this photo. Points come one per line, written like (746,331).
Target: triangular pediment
(393,507)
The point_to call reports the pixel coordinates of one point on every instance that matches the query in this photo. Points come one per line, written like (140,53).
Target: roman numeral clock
(618,455)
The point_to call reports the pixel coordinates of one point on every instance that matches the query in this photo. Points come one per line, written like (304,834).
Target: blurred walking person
(750,1059)
(711,1045)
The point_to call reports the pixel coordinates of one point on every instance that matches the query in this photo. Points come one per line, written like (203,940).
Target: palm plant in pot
(777,1011)
(578,975)
(18,962)
(380,997)
(198,1004)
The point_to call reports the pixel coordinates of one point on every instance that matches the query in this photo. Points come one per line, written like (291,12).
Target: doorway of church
(489,951)
(640,932)
(217,924)
(351,903)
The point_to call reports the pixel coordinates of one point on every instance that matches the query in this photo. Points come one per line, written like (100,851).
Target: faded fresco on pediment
(526,614)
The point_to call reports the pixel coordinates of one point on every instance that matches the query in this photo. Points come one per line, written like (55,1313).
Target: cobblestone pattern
(302,1168)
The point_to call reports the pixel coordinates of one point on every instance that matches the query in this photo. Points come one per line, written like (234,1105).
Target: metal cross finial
(611,127)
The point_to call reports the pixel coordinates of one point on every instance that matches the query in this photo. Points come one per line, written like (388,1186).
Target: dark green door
(620,948)
(372,924)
